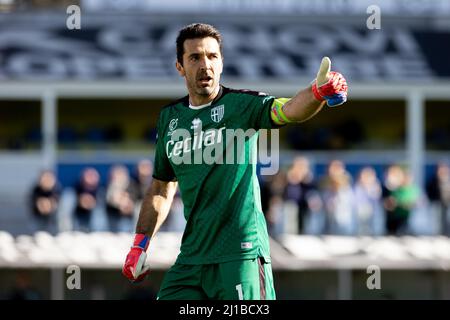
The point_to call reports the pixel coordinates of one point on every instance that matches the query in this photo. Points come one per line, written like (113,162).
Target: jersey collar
(219,95)
(200,107)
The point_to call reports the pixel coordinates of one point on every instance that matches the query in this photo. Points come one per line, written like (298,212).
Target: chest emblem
(172,126)
(217,113)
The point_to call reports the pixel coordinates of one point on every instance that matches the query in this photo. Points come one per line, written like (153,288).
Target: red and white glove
(329,86)
(134,268)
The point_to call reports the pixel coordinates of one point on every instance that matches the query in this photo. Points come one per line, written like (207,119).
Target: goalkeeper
(224,251)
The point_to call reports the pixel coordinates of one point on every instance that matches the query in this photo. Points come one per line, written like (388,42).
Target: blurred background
(363,184)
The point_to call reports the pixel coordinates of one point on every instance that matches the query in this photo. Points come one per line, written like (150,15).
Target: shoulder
(245,92)
(181,101)
(167,111)
(247,97)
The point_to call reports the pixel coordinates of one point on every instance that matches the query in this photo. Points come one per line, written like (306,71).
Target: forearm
(302,106)
(155,207)
(154,210)
(328,87)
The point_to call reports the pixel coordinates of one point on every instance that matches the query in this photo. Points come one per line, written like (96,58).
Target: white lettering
(177,148)
(169,154)
(374,20)
(209,137)
(74,20)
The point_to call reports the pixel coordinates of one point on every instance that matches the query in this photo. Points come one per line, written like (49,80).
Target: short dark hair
(196,31)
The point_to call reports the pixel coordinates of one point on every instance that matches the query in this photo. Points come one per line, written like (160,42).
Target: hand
(329,86)
(134,268)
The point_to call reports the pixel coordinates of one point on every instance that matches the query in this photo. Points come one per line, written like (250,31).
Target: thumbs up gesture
(329,85)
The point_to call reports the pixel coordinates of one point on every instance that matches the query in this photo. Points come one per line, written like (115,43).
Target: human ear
(180,69)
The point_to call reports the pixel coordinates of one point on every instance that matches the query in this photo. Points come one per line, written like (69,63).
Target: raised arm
(328,87)
(154,211)
(302,106)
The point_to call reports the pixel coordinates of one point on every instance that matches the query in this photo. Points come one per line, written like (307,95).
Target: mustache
(203,75)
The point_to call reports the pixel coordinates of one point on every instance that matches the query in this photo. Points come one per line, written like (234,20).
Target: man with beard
(225,246)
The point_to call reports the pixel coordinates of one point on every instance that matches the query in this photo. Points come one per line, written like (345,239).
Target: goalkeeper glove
(329,86)
(134,268)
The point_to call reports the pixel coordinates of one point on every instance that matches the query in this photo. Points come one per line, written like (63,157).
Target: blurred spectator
(120,200)
(87,194)
(302,190)
(400,197)
(142,178)
(272,203)
(339,200)
(44,202)
(394,177)
(369,210)
(438,191)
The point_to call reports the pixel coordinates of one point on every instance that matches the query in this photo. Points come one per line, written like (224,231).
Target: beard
(204,91)
(203,87)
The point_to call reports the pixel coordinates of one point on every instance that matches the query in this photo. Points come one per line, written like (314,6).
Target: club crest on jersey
(172,126)
(217,113)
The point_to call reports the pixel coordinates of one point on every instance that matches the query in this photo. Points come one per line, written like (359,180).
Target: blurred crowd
(293,201)
(90,205)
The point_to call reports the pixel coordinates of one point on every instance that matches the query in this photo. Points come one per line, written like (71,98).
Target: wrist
(141,241)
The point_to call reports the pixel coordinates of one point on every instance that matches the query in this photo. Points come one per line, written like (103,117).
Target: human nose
(205,63)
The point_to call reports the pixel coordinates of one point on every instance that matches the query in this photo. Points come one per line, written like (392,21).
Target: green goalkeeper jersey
(203,149)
